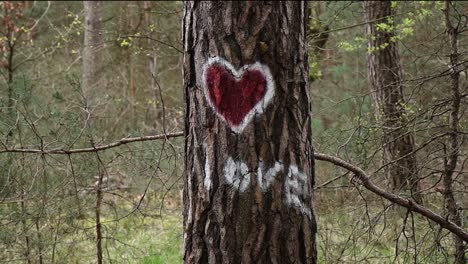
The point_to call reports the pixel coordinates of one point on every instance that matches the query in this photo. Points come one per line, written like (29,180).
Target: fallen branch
(97,148)
(407,203)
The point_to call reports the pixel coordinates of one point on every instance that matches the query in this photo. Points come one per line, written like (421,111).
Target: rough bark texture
(93,45)
(452,154)
(385,78)
(221,223)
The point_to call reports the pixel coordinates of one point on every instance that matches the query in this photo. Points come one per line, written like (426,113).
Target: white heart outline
(259,107)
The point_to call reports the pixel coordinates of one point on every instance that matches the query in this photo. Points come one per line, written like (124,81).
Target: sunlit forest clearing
(233,132)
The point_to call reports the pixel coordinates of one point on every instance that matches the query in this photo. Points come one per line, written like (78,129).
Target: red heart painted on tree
(237,96)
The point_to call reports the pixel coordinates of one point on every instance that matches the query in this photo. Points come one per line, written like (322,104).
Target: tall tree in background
(153,61)
(452,151)
(249,168)
(385,79)
(93,44)
(93,81)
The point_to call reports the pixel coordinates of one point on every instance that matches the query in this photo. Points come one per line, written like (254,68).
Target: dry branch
(97,148)
(359,173)
(407,203)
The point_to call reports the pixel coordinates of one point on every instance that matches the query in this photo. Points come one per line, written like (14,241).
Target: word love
(237,96)
(238,175)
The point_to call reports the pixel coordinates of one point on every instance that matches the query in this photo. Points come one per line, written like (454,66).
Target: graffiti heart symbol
(237,96)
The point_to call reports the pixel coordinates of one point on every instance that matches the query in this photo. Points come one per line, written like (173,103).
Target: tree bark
(248,193)
(385,79)
(92,78)
(451,157)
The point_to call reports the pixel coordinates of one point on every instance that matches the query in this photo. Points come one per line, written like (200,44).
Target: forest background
(91,114)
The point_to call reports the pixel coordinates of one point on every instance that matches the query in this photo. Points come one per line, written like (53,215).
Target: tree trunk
(451,156)
(153,66)
(93,81)
(131,88)
(93,45)
(385,78)
(97,212)
(249,169)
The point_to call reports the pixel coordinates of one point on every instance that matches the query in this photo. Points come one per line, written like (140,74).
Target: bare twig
(155,40)
(97,148)
(41,17)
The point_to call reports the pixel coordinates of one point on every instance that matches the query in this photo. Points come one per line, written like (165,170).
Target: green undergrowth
(133,239)
(346,234)
(349,234)
(168,247)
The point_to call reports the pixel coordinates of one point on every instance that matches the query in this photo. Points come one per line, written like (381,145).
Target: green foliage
(314,69)
(402,25)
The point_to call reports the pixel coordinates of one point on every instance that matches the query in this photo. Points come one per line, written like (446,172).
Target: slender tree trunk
(453,148)
(99,197)
(11,100)
(153,66)
(40,250)
(92,82)
(248,185)
(27,240)
(92,79)
(385,78)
